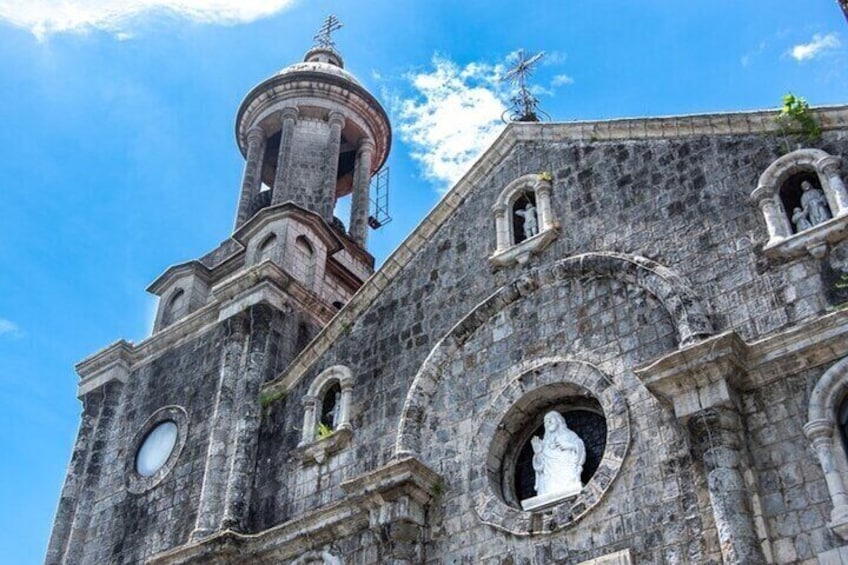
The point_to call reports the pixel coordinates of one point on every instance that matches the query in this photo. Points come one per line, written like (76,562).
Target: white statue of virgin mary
(558,460)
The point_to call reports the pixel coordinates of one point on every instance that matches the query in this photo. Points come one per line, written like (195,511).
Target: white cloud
(454,116)
(9,328)
(815,47)
(554,58)
(44,17)
(562,80)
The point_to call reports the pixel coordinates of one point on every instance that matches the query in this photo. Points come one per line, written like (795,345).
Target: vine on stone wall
(796,118)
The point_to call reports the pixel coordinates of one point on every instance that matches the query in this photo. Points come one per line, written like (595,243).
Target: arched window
(804,203)
(266,248)
(331,406)
(326,414)
(305,260)
(827,420)
(175,307)
(524,222)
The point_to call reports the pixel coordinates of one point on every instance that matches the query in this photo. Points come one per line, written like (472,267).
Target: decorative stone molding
(391,500)
(822,432)
(138,484)
(538,382)
(507,252)
(682,304)
(311,447)
(698,377)
(701,382)
(782,241)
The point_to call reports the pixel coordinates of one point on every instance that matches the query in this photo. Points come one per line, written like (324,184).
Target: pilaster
(288,119)
(336,122)
(252,179)
(361,198)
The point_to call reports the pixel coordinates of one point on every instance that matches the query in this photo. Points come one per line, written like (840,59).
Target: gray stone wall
(681,202)
(111,524)
(309,163)
(795,501)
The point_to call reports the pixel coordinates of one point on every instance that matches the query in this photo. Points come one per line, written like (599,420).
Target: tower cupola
(312,134)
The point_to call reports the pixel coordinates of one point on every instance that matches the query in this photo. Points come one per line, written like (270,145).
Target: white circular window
(156,448)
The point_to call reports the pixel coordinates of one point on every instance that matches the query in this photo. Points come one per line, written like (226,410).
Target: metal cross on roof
(324,38)
(524,104)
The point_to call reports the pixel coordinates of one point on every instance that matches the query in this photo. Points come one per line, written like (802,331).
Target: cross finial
(524,103)
(324,38)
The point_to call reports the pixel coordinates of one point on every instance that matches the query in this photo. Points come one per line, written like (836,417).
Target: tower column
(336,121)
(252,178)
(360,198)
(288,117)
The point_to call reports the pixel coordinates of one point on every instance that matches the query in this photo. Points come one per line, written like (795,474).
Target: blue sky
(118,157)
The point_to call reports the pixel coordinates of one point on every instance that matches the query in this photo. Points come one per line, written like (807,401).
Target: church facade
(669,291)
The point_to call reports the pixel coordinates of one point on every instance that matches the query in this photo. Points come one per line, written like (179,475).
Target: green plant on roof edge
(796,117)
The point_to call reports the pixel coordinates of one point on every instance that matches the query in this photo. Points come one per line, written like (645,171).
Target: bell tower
(167,449)
(311,134)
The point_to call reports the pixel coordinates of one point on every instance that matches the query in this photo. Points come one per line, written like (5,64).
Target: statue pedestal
(543,500)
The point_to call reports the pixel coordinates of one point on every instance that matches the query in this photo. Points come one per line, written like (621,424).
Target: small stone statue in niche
(531,224)
(558,459)
(799,218)
(814,203)
(337,408)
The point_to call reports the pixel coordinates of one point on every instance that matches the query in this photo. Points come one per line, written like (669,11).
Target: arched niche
(826,400)
(786,194)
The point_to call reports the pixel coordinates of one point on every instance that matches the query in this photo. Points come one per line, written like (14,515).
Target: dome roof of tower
(318,67)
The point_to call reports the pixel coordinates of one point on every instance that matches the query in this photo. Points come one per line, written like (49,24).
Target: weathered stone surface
(654,304)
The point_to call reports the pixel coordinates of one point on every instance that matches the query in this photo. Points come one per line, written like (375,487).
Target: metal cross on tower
(524,104)
(324,38)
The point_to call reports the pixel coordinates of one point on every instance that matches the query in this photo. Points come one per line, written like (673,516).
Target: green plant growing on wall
(269,397)
(323,431)
(842,284)
(796,118)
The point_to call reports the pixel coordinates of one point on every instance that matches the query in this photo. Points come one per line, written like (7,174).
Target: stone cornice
(830,117)
(704,374)
(407,479)
(263,283)
(285,210)
(194,268)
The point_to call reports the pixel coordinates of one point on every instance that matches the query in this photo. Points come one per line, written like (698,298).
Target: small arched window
(842,423)
(266,248)
(305,260)
(326,411)
(331,405)
(175,307)
(524,222)
(827,419)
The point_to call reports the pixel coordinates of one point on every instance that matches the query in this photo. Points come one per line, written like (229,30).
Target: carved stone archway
(683,305)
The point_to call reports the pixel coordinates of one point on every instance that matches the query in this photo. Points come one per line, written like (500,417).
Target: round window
(155,449)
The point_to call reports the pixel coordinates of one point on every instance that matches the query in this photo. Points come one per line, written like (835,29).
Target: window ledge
(521,252)
(318,450)
(813,240)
